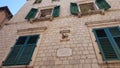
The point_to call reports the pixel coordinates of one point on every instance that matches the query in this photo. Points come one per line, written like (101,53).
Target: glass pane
(115,31)
(32,39)
(21,40)
(86,7)
(101,33)
(117,40)
(107,48)
(46,12)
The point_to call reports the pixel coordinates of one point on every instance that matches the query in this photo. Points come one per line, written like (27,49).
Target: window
(43,14)
(85,8)
(46,13)
(55,0)
(102,4)
(22,51)
(37,1)
(108,40)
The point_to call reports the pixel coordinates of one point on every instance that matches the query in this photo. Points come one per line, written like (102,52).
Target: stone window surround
(19,33)
(97,10)
(37,17)
(93,25)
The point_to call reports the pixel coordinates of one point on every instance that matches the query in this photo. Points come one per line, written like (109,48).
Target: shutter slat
(56,11)
(102,4)
(74,8)
(31,14)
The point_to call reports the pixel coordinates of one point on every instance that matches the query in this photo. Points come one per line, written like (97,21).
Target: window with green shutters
(32,13)
(108,40)
(22,51)
(56,11)
(74,8)
(37,1)
(102,4)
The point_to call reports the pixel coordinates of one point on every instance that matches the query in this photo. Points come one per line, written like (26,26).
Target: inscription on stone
(62,52)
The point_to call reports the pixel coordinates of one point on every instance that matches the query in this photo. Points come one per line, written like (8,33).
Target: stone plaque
(64,52)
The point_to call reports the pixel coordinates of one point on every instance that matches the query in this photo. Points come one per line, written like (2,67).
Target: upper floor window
(22,51)
(102,4)
(108,40)
(47,13)
(37,1)
(88,8)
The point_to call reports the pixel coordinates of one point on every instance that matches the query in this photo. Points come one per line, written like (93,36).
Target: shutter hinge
(3,61)
(99,52)
(95,40)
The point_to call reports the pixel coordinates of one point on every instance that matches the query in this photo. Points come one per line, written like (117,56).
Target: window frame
(95,11)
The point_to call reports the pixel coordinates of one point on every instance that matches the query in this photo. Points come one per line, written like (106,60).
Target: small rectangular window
(37,1)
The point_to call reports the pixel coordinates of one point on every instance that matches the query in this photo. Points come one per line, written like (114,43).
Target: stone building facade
(62,34)
(5,15)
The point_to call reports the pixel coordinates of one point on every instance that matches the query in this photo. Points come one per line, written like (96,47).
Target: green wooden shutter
(115,32)
(105,45)
(28,49)
(22,51)
(13,55)
(74,8)
(102,4)
(56,11)
(37,1)
(31,14)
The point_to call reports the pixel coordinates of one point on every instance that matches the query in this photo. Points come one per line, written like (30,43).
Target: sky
(13,5)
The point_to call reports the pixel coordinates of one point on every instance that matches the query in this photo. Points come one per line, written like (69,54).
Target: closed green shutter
(102,4)
(74,8)
(56,11)
(13,55)
(31,14)
(22,51)
(106,46)
(28,49)
(37,1)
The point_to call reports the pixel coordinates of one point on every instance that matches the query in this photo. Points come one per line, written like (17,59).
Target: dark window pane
(101,33)
(115,31)
(117,40)
(21,40)
(33,39)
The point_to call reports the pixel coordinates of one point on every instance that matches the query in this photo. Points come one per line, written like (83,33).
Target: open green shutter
(13,55)
(25,57)
(38,1)
(74,8)
(32,13)
(56,11)
(102,4)
(105,45)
